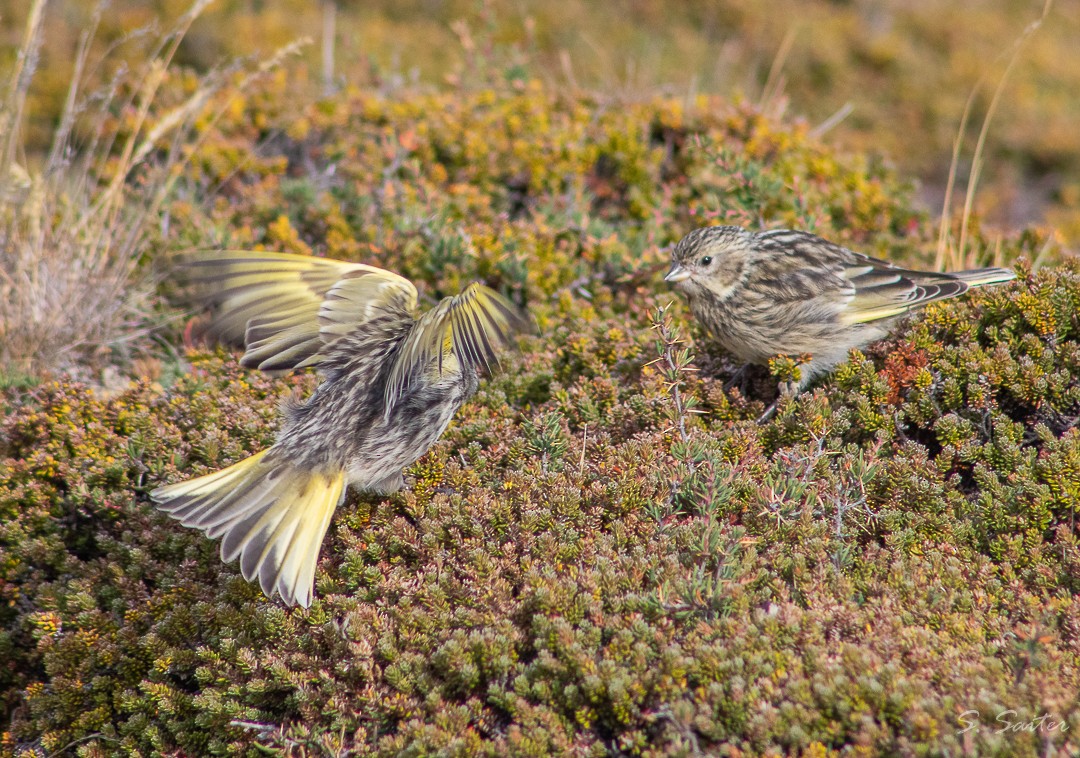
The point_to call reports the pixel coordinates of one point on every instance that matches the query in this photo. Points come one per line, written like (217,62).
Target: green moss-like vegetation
(581,565)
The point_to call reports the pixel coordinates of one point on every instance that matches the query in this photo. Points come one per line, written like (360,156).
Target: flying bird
(393,377)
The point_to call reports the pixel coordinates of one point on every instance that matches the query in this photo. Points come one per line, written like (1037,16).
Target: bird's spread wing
(287,309)
(470,327)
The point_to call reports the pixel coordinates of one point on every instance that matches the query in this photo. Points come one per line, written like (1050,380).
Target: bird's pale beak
(678,273)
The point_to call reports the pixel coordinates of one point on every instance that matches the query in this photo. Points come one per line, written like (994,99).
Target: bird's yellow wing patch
(470,328)
(284,308)
(882,290)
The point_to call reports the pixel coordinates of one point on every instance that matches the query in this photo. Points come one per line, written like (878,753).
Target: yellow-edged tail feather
(271,515)
(981,276)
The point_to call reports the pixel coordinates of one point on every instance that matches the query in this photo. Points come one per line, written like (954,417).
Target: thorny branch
(674,362)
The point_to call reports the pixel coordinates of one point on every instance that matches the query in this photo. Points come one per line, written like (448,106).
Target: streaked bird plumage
(393,379)
(789,292)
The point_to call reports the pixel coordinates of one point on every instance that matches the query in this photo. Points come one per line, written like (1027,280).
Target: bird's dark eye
(706,260)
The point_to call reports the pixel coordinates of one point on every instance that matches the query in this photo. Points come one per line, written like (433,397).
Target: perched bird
(393,378)
(786,292)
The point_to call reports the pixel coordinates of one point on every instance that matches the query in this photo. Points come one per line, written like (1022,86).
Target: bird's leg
(738,379)
(769,412)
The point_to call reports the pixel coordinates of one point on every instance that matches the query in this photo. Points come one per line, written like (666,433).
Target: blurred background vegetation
(889,78)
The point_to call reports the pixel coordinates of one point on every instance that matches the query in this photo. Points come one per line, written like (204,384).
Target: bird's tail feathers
(980,276)
(269,513)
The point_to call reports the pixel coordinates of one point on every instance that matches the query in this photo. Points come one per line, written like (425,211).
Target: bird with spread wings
(393,377)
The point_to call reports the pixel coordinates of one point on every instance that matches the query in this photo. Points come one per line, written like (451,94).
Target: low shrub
(580,565)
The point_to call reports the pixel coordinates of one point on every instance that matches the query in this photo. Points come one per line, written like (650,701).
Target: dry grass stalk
(72,232)
(957,257)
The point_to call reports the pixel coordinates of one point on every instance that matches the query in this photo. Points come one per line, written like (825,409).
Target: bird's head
(712,258)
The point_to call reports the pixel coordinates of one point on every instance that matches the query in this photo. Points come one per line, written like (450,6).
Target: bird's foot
(787,389)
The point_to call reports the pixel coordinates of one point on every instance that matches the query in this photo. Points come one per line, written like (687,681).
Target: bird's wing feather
(862,288)
(803,267)
(883,290)
(471,327)
(287,309)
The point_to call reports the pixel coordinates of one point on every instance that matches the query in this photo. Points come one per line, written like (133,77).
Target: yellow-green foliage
(527,188)
(580,565)
(904,67)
